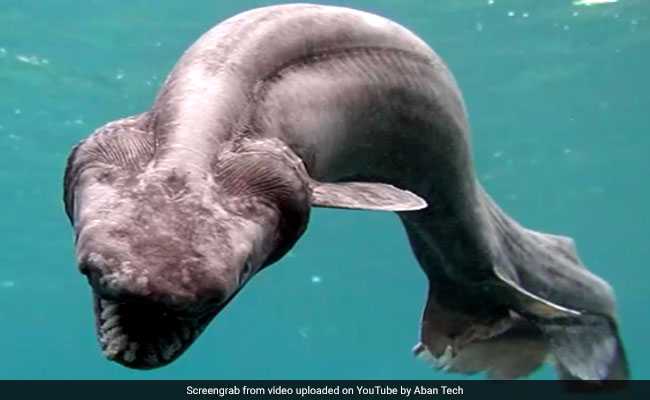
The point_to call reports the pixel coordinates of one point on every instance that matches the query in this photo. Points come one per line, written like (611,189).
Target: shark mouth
(143,336)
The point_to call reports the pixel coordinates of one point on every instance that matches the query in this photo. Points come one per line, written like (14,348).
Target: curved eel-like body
(282,108)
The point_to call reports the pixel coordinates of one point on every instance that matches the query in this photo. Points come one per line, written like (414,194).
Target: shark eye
(246,271)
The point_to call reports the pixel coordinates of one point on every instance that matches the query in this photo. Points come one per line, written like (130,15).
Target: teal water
(558,100)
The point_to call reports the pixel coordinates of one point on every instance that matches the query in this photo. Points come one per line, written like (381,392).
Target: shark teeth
(121,344)
(151,357)
(111,323)
(116,345)
(130,353)
(108,310)
(172,346)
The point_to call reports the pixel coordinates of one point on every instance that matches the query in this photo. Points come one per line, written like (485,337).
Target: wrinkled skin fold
(285,108)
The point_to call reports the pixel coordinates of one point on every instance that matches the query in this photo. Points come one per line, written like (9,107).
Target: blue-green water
(558,100)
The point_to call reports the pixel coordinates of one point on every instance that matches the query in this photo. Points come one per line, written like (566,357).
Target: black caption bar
(201,390)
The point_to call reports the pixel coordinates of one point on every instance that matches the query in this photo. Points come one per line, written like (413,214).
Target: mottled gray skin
(276,110)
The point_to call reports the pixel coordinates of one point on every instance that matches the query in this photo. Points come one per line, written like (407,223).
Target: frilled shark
(284,108)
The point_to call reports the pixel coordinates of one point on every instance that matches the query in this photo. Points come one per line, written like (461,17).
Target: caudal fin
(544,280)
(587,347)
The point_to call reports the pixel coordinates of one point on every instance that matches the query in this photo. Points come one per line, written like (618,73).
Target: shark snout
(188,288)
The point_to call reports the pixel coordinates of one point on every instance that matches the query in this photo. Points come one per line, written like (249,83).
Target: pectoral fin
(365,196)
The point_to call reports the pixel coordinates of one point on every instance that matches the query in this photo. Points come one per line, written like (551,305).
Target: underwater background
(558,97)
